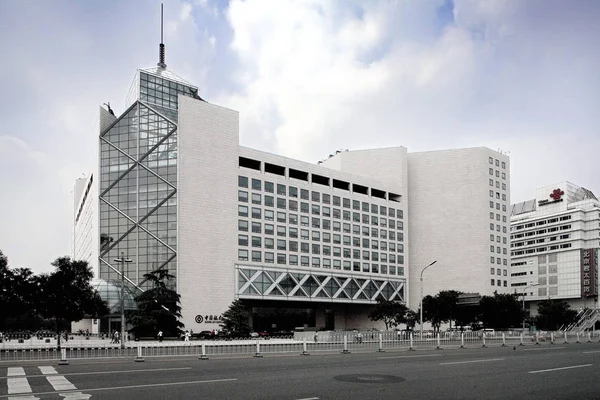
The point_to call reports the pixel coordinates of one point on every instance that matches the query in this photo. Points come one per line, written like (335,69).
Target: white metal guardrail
(332,342)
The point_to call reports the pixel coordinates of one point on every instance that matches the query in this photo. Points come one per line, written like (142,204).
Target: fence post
(411,346)
(203,355)
(381,343)
(566,341)
(462,340)
(521,342)
(139,357)
(257,354)
(577,338)
(483,340)
(503,339)
(439,346)
(589,337)
(345,351)
(304,348)
(537,338)
(551,337)
(63,357)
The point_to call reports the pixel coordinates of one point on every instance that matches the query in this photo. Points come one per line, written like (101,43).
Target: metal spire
(161,46)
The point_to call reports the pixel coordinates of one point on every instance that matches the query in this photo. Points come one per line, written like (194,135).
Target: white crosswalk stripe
(18,386)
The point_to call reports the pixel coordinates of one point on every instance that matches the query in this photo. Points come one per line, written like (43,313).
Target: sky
(308,78)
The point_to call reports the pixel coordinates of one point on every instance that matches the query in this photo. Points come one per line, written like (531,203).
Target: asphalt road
(534,372)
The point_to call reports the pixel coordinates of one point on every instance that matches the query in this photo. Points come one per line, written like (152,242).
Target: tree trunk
(58,333)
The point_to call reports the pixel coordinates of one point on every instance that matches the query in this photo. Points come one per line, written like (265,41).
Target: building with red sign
(555,240)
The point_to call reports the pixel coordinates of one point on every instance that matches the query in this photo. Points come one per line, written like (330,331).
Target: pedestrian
(186,336)
(160,336)
(316,337)
(117,337)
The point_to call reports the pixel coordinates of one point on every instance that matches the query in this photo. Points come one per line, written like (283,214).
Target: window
(269,243)
(293,219)
(281,231)
(269,215)
(326,198)
(256,198)
(316,262)
(281,203)
(242,196)
(492,271)
(336,213)
(336,201)
(326,211)
(281,189)
(304,194)
(316,235)
(304,234)
(504,175)
(293,246)
(243,211)
(491,160)
(492,171)
(304,247)
(255,227)
(242,225)
(243,255)
(256,241)
(316,248)
(269,187)
(304,261)
(243,240)
(293,205)
(316,222)
(346,215)
(293,191)
(243,182)
(269,229)
(304,220)
(326,237)
(269,258)
(281,244)
(316,196)
(269,201)
(293,259)
(491,182)
(355,204)
(304,207)
(256,212)
(256,256)
(316,210)
(256,184)
(492,281)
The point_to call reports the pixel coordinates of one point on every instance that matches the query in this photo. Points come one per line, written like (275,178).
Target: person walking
(186,336)
(160,336)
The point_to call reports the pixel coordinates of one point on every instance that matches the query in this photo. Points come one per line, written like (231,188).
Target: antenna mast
(161,46)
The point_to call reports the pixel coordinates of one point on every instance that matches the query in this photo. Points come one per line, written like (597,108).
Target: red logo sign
(556,194)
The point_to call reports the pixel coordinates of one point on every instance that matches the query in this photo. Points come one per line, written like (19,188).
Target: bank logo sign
(209,319)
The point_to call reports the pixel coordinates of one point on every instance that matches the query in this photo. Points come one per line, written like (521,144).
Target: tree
(158,308)
(500,311)
(448,305)
(552,314)
(433,312)
(410,319)
(66,295)
(391,312)
(236,320)
(17,295)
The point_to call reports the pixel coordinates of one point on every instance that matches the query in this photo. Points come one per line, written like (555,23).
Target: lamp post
(421,307)
(524,293)
(122,260)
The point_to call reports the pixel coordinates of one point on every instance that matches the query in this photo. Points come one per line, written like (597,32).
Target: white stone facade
(85,232)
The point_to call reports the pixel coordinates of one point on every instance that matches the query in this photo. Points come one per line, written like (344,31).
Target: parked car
(204,335)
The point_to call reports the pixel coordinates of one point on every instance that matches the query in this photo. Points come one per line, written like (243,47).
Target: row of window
(315,209)
(318,197)
(497,173)
(497,194)
(318,262)
(498,271)
(498,206)
(543,222)
(497,162)
(497,216)
(497,184)
(498,282)
(315,223)
(541,240)
(497,227)
(541,231)
(541,249)
(497,238)
(498,260)
(498,249)
(316,248)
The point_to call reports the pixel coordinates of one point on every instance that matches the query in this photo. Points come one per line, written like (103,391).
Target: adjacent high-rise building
(554,244)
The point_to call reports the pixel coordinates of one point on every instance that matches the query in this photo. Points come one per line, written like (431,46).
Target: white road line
(23,398)
(544,348)
(419,356)
(18,385)
(309,398)
(591,352)
(142,386)
(473,361)
(60,383)
(113,372)
(47,370)
(75,396)
(15,371)
(559,369)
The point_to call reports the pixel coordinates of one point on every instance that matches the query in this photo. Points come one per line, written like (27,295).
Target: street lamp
(122,260)
(421,308)
(524,293)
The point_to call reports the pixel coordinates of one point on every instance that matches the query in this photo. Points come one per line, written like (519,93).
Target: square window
(316,196)
(293,191)
(336,201)
(256,184)
(242,196)
(304,194)
(281,189)
(326,198)
(243,182)
(269,187)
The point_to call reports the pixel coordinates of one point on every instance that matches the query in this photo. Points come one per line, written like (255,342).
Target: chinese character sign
(589,273)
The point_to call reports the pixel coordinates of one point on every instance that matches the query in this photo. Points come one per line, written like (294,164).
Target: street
(533,372)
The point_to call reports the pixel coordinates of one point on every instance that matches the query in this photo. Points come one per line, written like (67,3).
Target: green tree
(17,294)
(410,319)
(65,295)
(158,308)
(391,312)
(236,319)
(500,311)
(552,314)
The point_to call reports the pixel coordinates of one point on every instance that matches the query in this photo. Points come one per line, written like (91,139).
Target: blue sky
(308,77)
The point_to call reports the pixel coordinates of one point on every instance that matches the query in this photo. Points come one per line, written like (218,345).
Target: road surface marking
(591,352)
(15,371)
(111,372)
(309,398)
(424,355)
(60,383)
(75,396)
(18,385)
(47,370)
(544,348)
(472,361)
(23,398)
(142,386)
(559,369)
